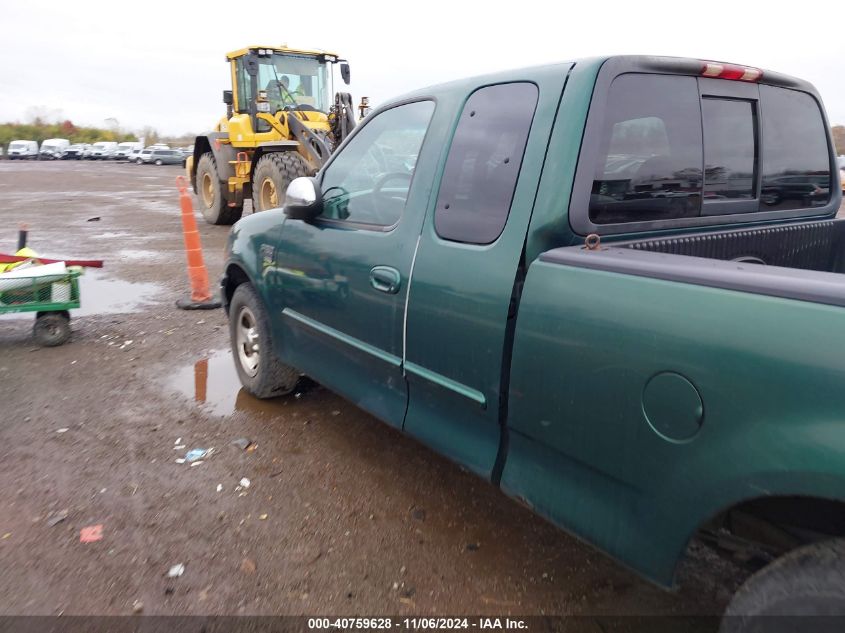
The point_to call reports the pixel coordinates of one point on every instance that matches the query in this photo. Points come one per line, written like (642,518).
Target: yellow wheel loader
(281,123)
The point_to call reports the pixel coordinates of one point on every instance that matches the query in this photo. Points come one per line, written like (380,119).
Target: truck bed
(801,261)
(805,245)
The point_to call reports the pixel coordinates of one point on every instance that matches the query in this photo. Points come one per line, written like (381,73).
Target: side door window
(368,182)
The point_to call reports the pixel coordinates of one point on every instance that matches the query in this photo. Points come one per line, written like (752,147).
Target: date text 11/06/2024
(417,623)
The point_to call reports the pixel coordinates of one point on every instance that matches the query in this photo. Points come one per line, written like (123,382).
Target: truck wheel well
(760,530)
(235,276)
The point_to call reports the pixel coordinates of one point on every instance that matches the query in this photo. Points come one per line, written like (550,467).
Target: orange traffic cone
(201,298)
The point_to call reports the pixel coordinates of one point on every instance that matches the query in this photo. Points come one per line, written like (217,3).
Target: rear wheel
(213,205)
(808,581)
(260,372)
(51,328)
(273,174)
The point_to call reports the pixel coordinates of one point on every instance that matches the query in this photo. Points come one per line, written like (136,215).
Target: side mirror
(228,99)
(344,72)
(303,199)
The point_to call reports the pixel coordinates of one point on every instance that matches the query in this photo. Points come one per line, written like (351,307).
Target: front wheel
(250,334)
(809,581)
(159,163)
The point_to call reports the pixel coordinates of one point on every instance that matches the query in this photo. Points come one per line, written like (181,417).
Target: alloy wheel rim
(246,340)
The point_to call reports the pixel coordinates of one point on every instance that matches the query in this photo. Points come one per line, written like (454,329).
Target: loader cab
(277,80)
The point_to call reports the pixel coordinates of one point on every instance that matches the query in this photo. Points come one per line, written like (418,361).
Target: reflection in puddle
(213,383)
(100,294)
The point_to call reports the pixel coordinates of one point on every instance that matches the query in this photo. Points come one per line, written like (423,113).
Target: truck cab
(611,287)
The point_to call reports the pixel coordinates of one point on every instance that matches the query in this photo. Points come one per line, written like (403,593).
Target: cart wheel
(51,328)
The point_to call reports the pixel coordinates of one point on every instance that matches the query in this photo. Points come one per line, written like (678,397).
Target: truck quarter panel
(589,344)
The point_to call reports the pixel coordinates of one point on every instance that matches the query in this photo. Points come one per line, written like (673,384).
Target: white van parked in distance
(103,150)
(123,150)
(53,148)
(23,150)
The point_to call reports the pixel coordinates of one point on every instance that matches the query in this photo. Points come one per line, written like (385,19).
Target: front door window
(368,182)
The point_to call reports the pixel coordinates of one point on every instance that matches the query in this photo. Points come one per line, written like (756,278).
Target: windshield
(293,80)
(17,146)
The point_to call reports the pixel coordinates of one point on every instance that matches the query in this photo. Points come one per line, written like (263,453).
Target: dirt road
(342,514)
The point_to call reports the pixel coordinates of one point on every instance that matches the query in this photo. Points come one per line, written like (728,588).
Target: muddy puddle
(100,294)
(213,384)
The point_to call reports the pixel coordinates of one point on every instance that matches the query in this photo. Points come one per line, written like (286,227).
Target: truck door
(466,265)
(344,276)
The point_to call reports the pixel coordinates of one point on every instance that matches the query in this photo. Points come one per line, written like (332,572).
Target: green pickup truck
(611,287)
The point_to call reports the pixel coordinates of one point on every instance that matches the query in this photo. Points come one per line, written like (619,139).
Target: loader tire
(213,205)
(272,176)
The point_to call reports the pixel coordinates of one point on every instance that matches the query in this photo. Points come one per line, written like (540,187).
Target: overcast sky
(162,63)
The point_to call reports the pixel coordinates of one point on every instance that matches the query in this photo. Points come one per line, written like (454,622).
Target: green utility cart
(50,297)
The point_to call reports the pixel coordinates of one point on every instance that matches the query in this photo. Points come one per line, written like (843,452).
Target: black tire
(274,172)
(159,163)
(808,581)
(269,377)
(51,328)
(213,205)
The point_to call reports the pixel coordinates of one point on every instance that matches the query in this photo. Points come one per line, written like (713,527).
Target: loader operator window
(294,81)
(245,94)
(369,180)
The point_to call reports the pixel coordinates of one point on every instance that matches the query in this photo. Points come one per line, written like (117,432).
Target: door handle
(385,279)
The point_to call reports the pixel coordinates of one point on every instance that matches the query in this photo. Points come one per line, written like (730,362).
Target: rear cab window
(479,179)
(666,150)
(796,167)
